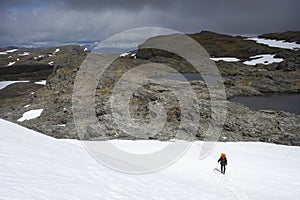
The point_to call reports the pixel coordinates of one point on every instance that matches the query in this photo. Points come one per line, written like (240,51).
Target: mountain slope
(263,77)
(290,36)
(35,166)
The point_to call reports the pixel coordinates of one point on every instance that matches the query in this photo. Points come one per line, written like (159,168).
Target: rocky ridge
(242,123)
(290,36)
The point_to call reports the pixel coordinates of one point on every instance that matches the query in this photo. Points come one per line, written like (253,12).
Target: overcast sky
(77,20)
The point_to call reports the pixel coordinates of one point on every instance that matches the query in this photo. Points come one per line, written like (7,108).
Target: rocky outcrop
(38,64)
(221,45)
(289,36)
(241,124)
(26,72)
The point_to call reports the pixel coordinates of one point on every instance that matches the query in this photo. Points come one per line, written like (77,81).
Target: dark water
(289,103)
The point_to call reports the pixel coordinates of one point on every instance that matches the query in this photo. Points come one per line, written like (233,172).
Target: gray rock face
(153,98)
(241,124)
(263,125)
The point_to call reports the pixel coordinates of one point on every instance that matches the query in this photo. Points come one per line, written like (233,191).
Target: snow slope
(35,166)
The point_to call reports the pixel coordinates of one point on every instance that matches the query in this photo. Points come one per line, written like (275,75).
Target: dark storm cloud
(20,3)
(106,4)
(67,20)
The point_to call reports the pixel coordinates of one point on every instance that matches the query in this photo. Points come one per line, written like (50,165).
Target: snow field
(35,166)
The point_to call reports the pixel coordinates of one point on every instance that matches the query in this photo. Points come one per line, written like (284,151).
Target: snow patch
(4,84)
(85,49)
(26,106)
(24,54)
(56,51)
(133,55)
(124,54)
(9,57)
(276,43)
(61,125)
(226,59)
(8,51)
(11,63)
(264,59)
(51,63)
(42,82)
(12,50)
(32,114)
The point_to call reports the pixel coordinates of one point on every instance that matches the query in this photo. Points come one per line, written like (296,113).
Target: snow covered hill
(35,166)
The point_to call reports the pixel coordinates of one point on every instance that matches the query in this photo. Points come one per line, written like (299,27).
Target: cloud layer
(74,20)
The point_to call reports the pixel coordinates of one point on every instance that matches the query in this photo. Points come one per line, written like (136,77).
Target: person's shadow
(217,170)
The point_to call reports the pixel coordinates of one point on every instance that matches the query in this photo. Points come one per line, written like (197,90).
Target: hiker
(223,161)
